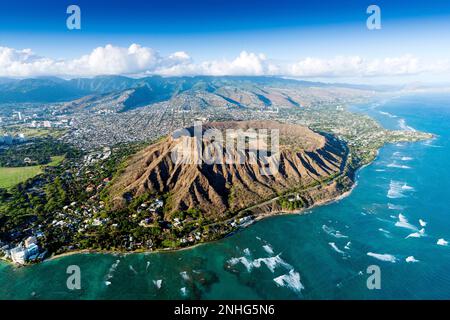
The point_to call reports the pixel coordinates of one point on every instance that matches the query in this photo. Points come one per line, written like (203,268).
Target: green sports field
(10,176)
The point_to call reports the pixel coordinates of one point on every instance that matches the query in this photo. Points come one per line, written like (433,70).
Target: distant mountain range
(146,90)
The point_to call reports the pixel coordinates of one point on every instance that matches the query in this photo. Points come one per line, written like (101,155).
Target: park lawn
(10,176)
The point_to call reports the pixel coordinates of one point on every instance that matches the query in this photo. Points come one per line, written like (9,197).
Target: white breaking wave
(270,262)
(111,271)
(418,234)
(395,207)
(334,246)
(132,269)
(148,265)
(157,283)
(108,283)
(386,233)
(411,259)
(422,223)
(402,124)
(399,166)
(390,115)
(429,143)
(406,158)
(347,246)
(185,275)
(442,242)
(247,251)
(397,189)
(246,262)
(183,291)
(268,248)
(290,280)
(403,223)
(383,257)
(333,232)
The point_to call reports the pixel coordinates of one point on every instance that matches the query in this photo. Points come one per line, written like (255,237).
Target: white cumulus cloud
(140,60)
(357,66)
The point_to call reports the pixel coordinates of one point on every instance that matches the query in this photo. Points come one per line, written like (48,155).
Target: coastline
(258,217)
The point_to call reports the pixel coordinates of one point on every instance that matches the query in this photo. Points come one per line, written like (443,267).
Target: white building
(18,255)
(29,241)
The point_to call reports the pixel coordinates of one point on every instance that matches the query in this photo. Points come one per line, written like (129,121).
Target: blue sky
(285,31)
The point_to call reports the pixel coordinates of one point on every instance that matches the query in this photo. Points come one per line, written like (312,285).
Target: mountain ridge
(219,189)
(53,89)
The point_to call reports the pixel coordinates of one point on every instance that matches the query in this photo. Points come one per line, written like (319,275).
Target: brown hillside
(217,188)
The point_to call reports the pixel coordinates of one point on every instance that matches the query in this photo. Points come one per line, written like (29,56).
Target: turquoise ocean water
(320,255)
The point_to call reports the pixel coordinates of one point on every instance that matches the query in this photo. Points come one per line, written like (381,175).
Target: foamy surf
(398,166)
(422,223)
(335,248)
(290,280)
(157,283)
(386,233)
(270,262)
(383,257)
(402,124)
(418,234)
(132,269)
(442,242)
(395,207)
(185,275)
(111,271)
(403,223)
(268,248)
(411,259)
(390,115)
(332,232)
(243,260)
(397,189)
(429,143)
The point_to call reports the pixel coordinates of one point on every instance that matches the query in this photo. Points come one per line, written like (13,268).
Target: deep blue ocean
(321,255)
